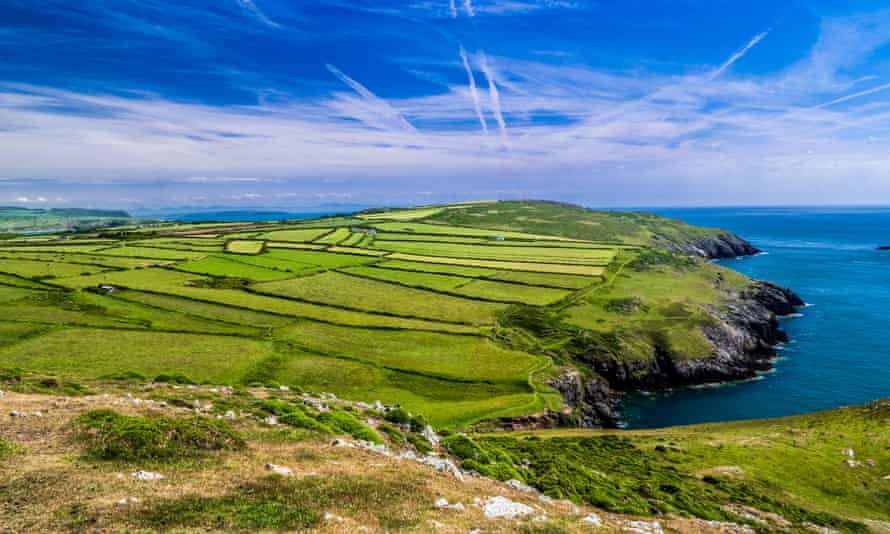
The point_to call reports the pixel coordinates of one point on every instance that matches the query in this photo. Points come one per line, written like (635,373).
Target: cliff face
(744,335)
(720,246)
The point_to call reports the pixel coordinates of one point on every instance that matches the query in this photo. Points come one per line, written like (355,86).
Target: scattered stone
(13,413)
(440,503)
(849,452)
(519,486)
(279,470)
(283,388)
(642,527)
(379,406)
(341,443)
(431,436)
(504,508)
(539,518)
(230,414)
(545,499)
(271,420)
(818,529)
(730,528)
(2,393)
(886,477)
(332,517)
(147,475)
(127,501)
(871,462)
(852,463)
(442,464)
(593,519)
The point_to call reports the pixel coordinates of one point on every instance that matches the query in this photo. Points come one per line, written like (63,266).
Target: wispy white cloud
(468,6)
(453,9)
(387,115)
(251,7)
(474,93)
(738,54)
(494,95)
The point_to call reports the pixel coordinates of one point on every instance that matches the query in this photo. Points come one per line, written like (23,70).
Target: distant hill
(15,219)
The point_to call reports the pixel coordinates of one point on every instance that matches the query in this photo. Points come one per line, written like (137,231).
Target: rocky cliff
(718,246)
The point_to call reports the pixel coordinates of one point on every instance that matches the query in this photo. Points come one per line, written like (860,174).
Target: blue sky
(285,103)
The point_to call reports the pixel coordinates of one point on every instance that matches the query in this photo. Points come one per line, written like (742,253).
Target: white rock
(13,413)
(147,475)
(502,507)
(38,414)
(848,452)
(271,420)
(283,388)
(2,393)
(887,477)
(458,506)
(442,464)
(545,499)
(519,486)
(341,443)
(127,501)
(642,527)
(440,503)
(431,436)
(379,406)
(593,519)
(331,517)
(279,470)
(852,463)
(230,414)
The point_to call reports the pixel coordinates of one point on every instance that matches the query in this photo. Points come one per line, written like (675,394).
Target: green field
(351,292)
(244,247)
(415,303)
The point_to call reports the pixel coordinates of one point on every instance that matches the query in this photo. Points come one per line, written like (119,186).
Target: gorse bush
(349,424)
(112,436)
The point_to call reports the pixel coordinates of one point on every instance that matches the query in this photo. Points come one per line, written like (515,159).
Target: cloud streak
(738,55)
(474,93)
(390,118)
(494,95)
(468,6)
(257,13)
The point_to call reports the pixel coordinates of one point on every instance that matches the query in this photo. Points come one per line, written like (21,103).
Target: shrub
(299,419)
(175,378)
(346,422)
(394,434)
(398,416)
(420,443)
(112,436)
(418,423)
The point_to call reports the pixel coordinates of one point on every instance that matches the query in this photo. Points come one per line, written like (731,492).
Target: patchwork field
(394,305)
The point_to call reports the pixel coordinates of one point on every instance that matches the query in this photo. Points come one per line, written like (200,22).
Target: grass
(45,269)
(402,215)
(299,236)
(438,282)
(338,289)
(92,353)
(324,260)
(502,253)
(277,503)
(150,252)
(224,266)
(335,237)
(112,436)
(11,294)
(244,247)
(439,229)
(565,281)
(429,353)
(507,292)
(458,270)
(205,309)
(556,268)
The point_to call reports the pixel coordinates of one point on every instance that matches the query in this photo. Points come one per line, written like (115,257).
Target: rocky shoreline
(745,334)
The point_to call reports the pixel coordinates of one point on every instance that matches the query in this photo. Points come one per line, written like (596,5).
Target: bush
(394,434)
(420,443)
(465,448)
(346,422)
(418,423)
(299,419)
(175,378)
(398,416)
(112,436)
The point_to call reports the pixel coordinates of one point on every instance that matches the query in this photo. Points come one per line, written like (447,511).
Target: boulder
(504,508)
(279,470)
(147,475)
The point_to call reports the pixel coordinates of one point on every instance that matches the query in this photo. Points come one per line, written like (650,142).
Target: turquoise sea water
(840,348)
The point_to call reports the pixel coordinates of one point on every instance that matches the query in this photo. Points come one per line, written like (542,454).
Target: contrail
(473,92)
(739,54)
(468,5)
(381,106)
(453,9)
(854,95)
(256,12)
(494,95)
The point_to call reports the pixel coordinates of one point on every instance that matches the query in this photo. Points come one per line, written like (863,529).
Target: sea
(839,352)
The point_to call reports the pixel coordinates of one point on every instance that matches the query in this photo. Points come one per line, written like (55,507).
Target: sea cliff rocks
(720,246)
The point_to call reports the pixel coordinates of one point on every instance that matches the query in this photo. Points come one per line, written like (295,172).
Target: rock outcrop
(716,247)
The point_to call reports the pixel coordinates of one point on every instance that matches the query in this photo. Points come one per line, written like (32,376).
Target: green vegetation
(244,247)
(278,503)
(111,436)
(300,236)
